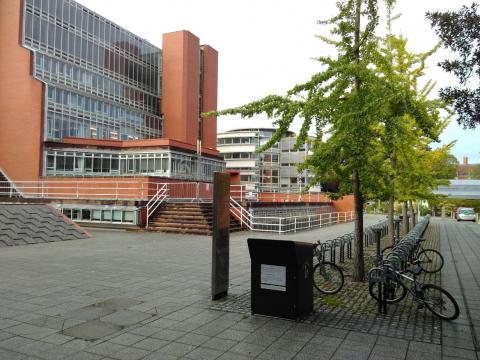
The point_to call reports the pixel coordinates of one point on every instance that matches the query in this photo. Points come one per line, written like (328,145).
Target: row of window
(71,114)
(101,215)
(50,69)
(237,140)
(265,157)
(46,35)
(166,163)
(239,155)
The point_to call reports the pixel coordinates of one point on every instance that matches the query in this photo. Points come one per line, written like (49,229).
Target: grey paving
(156,291)
(23,224)
(461,248)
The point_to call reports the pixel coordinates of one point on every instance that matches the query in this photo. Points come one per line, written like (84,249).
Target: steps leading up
(187,218)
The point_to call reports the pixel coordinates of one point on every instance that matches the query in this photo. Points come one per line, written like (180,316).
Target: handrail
(156,201)
(10,183)
(240,213)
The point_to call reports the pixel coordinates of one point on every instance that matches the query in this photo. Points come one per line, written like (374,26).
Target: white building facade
(274,170)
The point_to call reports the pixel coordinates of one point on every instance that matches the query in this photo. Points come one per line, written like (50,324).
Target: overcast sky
(266,46)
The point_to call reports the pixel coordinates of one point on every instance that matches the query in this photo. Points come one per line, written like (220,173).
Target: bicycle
(430,260)
(327,277)
(438,300)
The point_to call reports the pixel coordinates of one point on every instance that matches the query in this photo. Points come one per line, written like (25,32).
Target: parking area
(129,295)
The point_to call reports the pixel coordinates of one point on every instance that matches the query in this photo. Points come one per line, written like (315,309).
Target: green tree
(460,33)
(410,118)
(344,102)
(445,164)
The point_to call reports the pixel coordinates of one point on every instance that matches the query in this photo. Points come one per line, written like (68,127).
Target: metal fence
(340,248)
(286,224)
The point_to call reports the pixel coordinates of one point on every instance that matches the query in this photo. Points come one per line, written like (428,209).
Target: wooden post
(221,235)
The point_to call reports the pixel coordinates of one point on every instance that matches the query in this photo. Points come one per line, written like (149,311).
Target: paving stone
(193,339)
(151,344)
(389,351)
(124,318)
(91,312)
(11,355)
(130,353)
(126,339)
(349,354)
(83,355)
(420,355)
(201,353)
(91,330)
(458,353)
(176,349)
(233,334)
(118,303)
(219,344)
(248,349)
(35,348)
(106,348)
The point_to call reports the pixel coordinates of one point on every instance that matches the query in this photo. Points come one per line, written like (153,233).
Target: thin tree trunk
(391,201)
(391,223)
(412,212)
(405,218)
(358,261)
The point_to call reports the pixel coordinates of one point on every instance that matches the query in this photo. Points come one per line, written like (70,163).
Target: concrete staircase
(187,218)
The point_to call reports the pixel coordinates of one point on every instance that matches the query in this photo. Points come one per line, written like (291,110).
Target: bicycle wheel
(386,250)
(327,278)
(440,302)
(397,293)
(431,261)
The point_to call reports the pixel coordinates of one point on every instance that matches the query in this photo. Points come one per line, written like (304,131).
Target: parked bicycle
(430,260)
(438,300)
(327,277)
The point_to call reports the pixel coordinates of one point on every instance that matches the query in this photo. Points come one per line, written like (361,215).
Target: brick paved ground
(147,296)
(353,308)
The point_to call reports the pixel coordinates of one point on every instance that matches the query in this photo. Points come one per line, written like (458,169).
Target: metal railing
(340,248)
(289,195)
(287,224)
(156,201)
(80,189)
(240,213)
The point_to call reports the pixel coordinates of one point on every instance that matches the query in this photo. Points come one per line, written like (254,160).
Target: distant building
(273,170)
(468,171)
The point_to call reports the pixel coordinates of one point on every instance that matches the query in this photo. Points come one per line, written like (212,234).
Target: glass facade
(103,82)
(59,162)
(73,114)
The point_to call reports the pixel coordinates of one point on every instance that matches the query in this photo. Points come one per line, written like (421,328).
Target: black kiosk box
(282,279)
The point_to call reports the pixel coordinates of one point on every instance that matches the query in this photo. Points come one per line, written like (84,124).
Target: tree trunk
(412,212)
(405,218)
(391,200)
(391,223)
(358,261)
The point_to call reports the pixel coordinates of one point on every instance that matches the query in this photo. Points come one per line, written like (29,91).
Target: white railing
(240,213)
(81,189)
(287,224)
(8,185)
(156,201)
